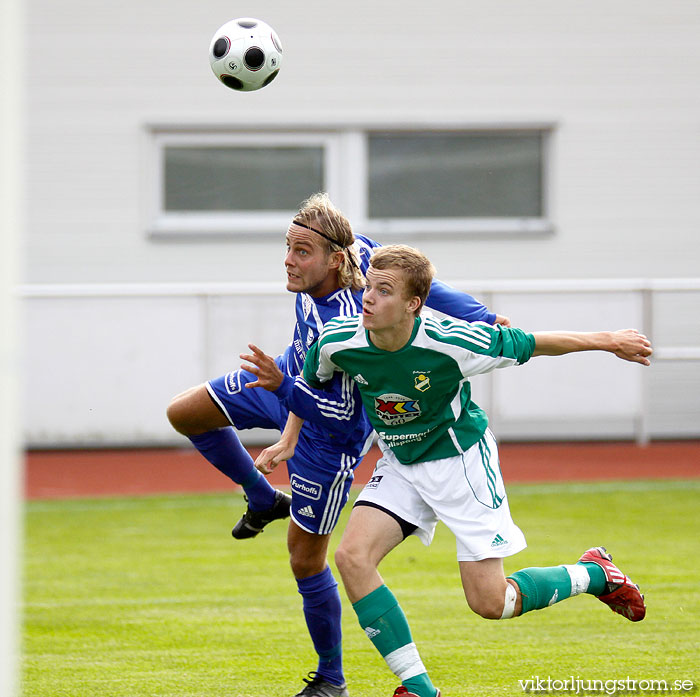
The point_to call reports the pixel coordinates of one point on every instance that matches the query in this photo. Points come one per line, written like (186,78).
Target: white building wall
(617,79)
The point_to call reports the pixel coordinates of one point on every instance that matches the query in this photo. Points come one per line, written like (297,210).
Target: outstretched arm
(627,344)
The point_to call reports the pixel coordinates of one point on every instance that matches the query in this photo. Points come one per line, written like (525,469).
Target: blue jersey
(336,410)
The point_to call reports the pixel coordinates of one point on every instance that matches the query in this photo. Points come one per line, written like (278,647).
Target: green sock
(544,586)
(384,622)
(598,584)
(420,685)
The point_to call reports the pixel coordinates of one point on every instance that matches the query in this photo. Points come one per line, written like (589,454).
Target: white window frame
(345,163)
(162,222)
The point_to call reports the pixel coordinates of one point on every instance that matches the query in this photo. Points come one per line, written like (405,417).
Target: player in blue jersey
(325,265)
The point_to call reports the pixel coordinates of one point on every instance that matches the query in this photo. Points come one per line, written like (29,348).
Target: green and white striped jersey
(418,398)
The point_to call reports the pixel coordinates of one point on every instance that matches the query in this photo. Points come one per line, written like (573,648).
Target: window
(455,175)
(424,181)
(227,178)
(231,183)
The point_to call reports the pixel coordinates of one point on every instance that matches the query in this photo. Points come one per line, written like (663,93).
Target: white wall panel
(583,393)
(101,370)
(264,320)
(675,406)
(617,80)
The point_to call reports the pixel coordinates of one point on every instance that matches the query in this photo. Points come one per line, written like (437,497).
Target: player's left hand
(271,456)
(631,345)
(264,368)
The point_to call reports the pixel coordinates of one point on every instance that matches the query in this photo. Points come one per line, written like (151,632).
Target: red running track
(90,473)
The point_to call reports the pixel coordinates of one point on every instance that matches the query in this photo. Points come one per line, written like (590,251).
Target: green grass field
(136,597)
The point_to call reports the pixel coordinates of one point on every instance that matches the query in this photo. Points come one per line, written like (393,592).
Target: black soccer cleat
(253,522)
(318,686)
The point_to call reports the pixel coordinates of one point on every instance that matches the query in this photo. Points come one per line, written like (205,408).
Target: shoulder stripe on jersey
(342,409)
(460,332)
(338,330)
(315,314)
(457,332)
(475,327)
(481,323)
(347,302)
(336,322)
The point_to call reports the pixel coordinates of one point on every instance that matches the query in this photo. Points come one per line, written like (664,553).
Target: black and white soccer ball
(245,54)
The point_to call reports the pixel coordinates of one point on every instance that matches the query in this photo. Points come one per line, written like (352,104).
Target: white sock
(405,662)
(579,578)
(509,604)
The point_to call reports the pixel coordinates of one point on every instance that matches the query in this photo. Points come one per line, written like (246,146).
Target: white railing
(117,352)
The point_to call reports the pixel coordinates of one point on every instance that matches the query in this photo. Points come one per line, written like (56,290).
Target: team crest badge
(421,382)
(395,409)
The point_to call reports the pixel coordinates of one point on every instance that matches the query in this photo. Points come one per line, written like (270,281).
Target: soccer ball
(245,54)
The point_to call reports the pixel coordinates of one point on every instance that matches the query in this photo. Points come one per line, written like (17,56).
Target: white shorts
(465,492)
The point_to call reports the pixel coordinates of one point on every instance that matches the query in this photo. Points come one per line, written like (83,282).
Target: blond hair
(319,212)
(417,268)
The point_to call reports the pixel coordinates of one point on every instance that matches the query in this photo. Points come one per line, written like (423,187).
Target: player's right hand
(269,376)
(502,320)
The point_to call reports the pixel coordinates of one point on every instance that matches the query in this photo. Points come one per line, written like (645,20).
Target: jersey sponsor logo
(395,409)
(394,440)
(300,349)
(421,382)
(233,382)
(373,483)
(305,487)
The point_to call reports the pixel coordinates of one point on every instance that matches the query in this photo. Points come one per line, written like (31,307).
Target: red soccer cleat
(622,595)
(402,691)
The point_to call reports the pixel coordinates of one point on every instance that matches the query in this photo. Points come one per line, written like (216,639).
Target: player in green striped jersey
(439,460)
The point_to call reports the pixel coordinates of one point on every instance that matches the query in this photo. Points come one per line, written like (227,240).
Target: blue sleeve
(442,297)
(337,406)
(365,249)
(457,304)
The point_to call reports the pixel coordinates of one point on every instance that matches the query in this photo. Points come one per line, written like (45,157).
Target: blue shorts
(320,474)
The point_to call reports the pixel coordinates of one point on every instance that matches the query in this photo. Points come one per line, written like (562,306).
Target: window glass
(232,178)
(455,175)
